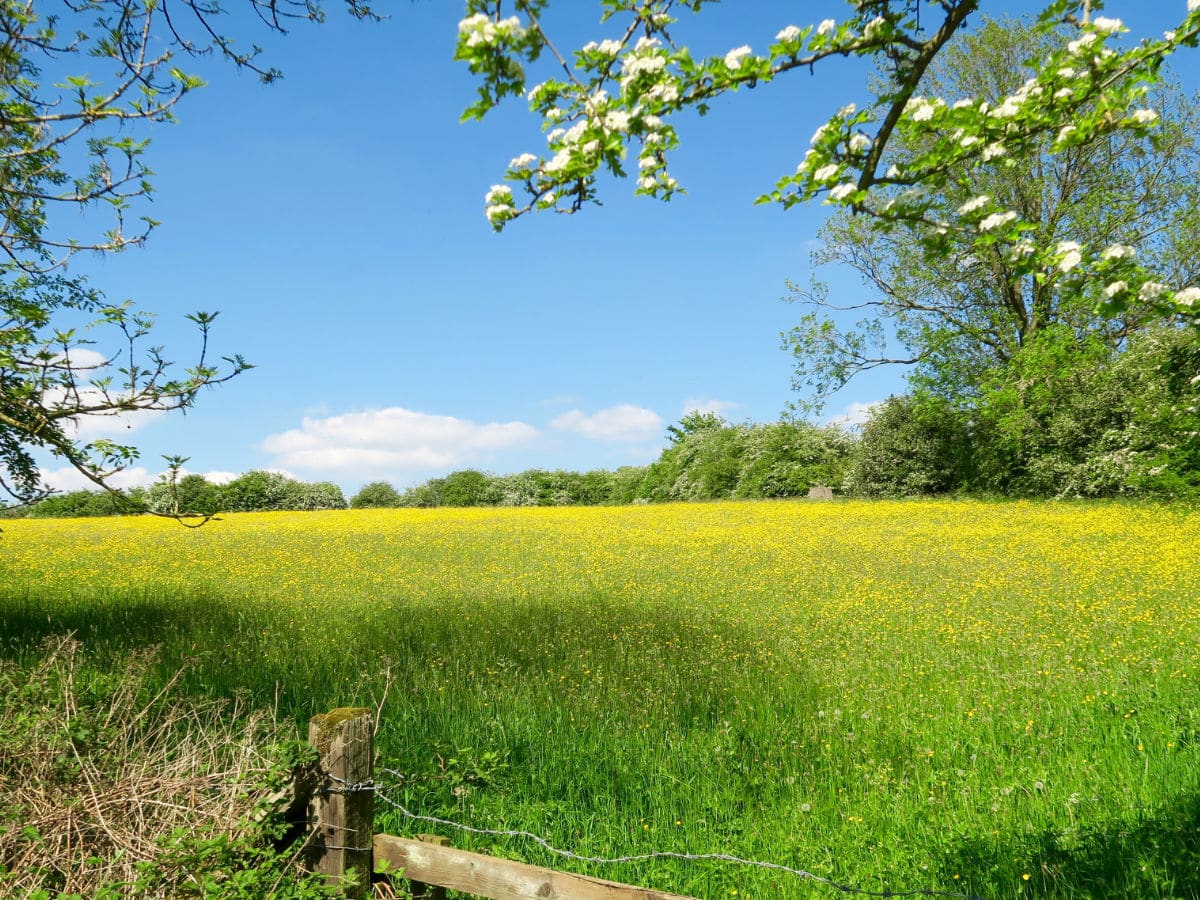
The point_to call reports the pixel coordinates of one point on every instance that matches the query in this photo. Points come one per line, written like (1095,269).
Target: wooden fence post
(343,818)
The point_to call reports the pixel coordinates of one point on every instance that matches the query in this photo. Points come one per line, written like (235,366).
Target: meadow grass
(1000,699)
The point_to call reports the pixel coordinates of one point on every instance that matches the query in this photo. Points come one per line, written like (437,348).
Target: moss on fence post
(342,810)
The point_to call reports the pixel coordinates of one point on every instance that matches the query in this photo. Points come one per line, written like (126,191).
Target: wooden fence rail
(344,847)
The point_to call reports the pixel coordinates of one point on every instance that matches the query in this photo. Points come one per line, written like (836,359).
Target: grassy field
(998,699)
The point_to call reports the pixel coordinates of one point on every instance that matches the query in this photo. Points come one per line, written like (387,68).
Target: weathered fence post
(343,807)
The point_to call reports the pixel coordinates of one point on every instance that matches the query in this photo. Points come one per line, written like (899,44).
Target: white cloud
(88,428)
(853,415)
(390,441)
(617,423)
(218,477)
(707,405)
(82,359)
(69,479)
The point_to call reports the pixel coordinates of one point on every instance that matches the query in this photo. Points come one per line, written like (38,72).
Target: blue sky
(336,221)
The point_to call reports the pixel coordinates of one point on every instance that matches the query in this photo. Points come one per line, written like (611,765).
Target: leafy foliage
(376,495)
(618,97)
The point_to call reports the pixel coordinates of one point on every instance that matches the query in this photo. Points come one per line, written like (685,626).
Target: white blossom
(992,151)
(522,161)
(874,27)
(1144,116)
(1020,249)
(969,141)
(1150,290)
(553,114)
(844,190)
(826,26)
(973,204)
(819,133)
(1063,93)
(847,111)
(859,142)
(1065,132)
(826,172)
(512,27)
(1117,287)
(995,220)
(1070,261)
(616,121)
(663,92)
(1084,40)
(647,182)
(1071,257)
(574,133)
(640,65)
(735,57)
(1118,251)
(609,47)
(791,33)
(1193,5)
(478,30)
(1006,110)
(1187,296)
(646,43)
(920,109)
(558,161)
(892,172)
(964,103)
(1105,25)
(647,162)
(500,193)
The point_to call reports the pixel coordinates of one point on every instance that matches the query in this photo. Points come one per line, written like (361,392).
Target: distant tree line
(255,491)
(1069,418)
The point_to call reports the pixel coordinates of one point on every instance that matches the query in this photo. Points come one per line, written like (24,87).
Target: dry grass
(100,772)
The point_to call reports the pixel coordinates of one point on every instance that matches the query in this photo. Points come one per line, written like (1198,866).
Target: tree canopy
(959,309)
(615,98)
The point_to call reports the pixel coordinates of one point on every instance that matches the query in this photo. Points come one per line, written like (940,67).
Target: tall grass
(998,699)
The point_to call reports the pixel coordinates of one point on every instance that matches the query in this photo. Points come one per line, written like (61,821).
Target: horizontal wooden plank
(499,879)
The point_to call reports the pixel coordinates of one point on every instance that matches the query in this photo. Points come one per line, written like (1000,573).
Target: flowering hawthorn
(615,98)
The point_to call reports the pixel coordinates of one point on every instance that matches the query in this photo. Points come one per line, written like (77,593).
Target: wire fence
(380,791)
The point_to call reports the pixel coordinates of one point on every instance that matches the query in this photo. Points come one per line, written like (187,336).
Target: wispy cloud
(853,415)
(707,405)
(616,423)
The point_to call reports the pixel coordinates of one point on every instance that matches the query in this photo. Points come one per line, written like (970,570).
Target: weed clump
(113,785)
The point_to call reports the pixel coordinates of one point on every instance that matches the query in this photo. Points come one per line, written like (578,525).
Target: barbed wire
(378,790)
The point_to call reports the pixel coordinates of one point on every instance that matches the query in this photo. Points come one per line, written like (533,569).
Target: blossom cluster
(619,93)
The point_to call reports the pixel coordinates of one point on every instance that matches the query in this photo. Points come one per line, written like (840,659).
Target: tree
(912,444)
(72,141)
(620,94)
(376,495)
(958,310)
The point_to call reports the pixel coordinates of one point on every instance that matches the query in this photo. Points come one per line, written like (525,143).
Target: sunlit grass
(995,698)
